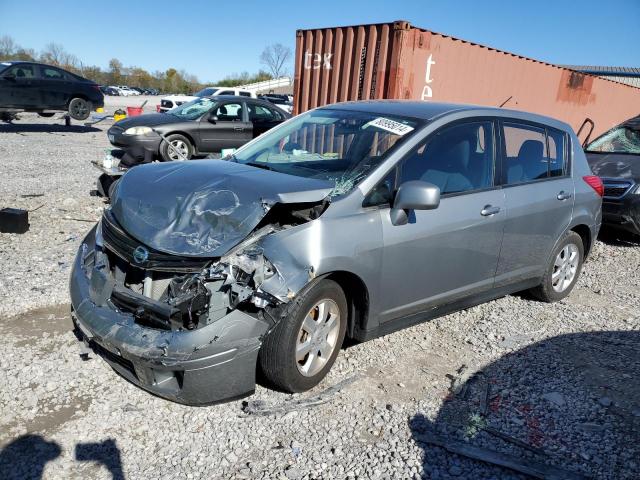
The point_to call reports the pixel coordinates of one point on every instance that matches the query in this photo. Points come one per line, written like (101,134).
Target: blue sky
(214,39)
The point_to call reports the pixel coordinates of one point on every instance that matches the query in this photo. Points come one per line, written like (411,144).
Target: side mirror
(414,195)
(9,76)
(213,119)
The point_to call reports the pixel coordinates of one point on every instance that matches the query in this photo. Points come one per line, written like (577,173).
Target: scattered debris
(528,467)
(555,397)
(459,382)
(258,407)
(14,220)
(515,441)
(32,195)
(605,401)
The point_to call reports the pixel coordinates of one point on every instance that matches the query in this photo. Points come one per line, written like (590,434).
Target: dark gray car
(615,157)
(354,219)
(202,126)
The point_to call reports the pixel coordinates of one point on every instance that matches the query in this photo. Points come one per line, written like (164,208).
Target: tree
(55,54)
(275,58)
(8,47)
(115,71)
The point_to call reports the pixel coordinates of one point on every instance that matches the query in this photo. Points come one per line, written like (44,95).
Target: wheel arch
(188,136)
(585,233)
(78,95)
(357,295)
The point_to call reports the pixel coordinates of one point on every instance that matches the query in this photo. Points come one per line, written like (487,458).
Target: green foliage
(244,78)
(171,80)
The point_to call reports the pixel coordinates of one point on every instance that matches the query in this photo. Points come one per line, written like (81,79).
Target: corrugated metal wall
(396,60)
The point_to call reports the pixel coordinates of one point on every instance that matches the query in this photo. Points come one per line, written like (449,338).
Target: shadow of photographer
(567,407)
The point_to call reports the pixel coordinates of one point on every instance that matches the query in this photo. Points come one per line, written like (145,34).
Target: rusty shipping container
(397,60)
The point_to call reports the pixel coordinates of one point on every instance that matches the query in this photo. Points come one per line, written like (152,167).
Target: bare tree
(8,47)
(275,58)
(55,54)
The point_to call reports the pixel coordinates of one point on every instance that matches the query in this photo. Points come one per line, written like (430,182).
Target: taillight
(595,183)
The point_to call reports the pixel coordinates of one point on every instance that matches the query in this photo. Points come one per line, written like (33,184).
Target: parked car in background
(111,91)
(355,219)
(171,101)
(127,91)
(615,157)
(281,101)
(45,89)
(202,126)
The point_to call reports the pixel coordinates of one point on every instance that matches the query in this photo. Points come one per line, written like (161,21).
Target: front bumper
(622,214)
(194,367)
(134,143)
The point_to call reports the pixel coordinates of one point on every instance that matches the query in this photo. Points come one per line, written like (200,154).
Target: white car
(171,101)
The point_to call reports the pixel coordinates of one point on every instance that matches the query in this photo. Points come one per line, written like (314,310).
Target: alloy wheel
(181,147)
(318,337)
(565,267)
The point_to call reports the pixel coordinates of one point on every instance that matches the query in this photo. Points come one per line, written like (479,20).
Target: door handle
(238,129)
(488,211)
(564,195)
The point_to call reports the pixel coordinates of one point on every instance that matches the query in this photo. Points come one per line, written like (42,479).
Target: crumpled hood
(615,165)
(203,208)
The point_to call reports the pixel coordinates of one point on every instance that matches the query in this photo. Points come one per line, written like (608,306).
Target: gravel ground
(563,378)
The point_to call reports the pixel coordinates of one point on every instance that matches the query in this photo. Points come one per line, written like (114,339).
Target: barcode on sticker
(390,126)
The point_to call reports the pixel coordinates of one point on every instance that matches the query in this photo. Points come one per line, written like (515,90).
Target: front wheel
(563,270)
(298,353)
(180,149)
(79,109)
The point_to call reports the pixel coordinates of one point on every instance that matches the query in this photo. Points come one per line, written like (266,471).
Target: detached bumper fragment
(206,365)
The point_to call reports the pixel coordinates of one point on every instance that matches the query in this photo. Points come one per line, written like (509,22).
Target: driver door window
(456,159)
(25,72)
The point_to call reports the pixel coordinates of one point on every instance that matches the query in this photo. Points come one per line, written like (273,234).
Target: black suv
(44,89)
(615,157)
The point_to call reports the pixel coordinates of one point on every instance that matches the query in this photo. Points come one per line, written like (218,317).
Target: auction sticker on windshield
(390,126)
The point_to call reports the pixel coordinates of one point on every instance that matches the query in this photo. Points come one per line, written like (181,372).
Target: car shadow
(45,128)
(26,457)
(566,407)
(618,238)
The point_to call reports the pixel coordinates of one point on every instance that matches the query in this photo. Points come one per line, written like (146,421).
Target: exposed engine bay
(172,292)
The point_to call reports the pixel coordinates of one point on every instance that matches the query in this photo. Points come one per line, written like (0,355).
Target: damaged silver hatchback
(355,220)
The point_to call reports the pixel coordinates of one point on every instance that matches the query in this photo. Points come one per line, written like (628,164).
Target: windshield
(341,146)
(618,140)
(193,109)
(205,92)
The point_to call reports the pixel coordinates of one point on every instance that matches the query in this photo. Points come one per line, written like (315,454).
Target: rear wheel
(300,350)
(563,270)
(180,144)
(79,109)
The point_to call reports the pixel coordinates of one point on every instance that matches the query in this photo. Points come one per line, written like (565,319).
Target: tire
(277,358)
(46,114)
(179,141)
(558,283)
(79,109)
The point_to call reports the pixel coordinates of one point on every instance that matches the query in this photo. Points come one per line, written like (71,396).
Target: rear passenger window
(557,153)
(52,73)
(457,159)
(245,94)
(531,153)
